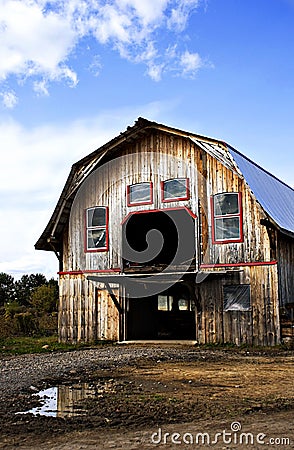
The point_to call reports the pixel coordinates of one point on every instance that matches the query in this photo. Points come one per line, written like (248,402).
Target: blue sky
(75,73)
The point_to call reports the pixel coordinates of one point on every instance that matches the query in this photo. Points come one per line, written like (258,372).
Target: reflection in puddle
(64,401)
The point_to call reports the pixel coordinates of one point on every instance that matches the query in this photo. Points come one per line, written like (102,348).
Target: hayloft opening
(158,238)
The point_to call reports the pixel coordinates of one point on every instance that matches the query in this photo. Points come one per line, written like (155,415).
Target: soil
(144,395)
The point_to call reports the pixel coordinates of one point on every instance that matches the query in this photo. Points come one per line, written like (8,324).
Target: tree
(25,286)
(7,288)
(44,298)
(54,283)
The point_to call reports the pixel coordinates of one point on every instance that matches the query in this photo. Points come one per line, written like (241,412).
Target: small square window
(175,189)
(96,217)
(140,194)
(227,228)
(96,239)
(226,204)
(237,297)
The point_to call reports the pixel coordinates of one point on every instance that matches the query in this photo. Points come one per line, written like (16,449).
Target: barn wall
(107,186)
(286,287)
(259,326)
(286,269)
(86,313)
(164,156)
(256,245)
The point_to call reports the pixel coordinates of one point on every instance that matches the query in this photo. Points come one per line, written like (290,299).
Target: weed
(41,344)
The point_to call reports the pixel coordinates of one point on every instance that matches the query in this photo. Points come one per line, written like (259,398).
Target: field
(151,397)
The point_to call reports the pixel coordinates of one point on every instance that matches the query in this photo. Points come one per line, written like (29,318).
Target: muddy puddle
(67,400)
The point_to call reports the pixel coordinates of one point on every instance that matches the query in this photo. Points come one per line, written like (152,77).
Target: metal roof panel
(276,197)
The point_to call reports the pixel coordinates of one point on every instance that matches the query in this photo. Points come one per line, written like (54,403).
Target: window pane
(176,188)
(162,303)
(140,192)
(96,238)
(226,204)
(183,304)
(237,298)
(97,217)
(227,228)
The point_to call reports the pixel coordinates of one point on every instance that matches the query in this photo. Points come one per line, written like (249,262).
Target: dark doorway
(141,318)
(167,315)
(158,238)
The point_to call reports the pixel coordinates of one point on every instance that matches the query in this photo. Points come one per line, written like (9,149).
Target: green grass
(28,344)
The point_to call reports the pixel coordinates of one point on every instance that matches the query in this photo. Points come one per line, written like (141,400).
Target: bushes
(28,307)
(44,298)
(27,323)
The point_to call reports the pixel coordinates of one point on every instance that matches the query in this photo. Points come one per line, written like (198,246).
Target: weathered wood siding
(286,287)
(156,158)
(259,326)
(286,269)
(256,245)
(86,313)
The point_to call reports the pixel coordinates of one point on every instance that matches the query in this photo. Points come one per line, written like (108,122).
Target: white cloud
(18,256)
(33,42)
(96,65)
(180,14)
(155,71)
(38,36)
(148,12)
(41,87)
(9,99)
(190,63)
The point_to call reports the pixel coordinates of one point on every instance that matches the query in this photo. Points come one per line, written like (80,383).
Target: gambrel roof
(274,196)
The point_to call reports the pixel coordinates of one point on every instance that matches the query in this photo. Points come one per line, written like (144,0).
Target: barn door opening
(158,239)
(167,315)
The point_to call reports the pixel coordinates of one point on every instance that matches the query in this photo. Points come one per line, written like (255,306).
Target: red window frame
(106,227)
(175,199)
(144,211)
(150,202)
(227,216)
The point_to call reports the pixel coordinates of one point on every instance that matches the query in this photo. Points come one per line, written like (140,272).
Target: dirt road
(165,397)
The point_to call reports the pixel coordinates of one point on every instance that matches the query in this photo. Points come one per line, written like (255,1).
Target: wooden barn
(162,234)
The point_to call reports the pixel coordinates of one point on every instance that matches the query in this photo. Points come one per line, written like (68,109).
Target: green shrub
(12,308)
(26,323)
(44,298)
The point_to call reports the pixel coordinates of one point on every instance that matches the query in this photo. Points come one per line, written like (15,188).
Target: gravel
(24,372)
(145,393)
